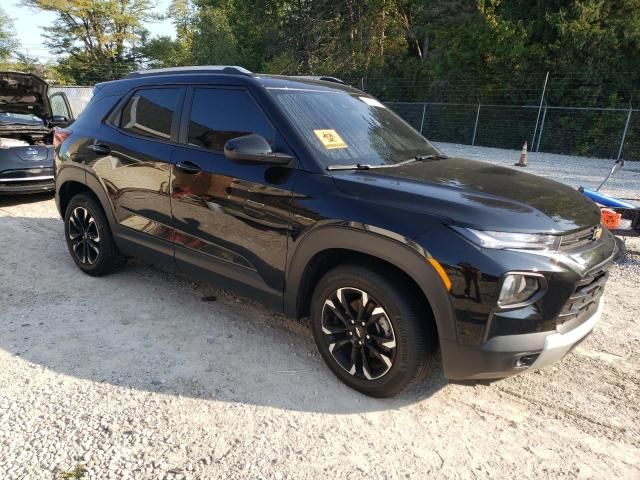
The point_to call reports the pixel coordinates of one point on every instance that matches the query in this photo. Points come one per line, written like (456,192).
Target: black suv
(314,198)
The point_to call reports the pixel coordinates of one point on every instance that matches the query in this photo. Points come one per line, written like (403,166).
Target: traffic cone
(523,156)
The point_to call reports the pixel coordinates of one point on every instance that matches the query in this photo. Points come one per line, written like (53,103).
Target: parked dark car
(27,123)
(316,199)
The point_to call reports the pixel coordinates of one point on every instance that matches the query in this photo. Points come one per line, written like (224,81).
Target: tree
(449,50)
(213,40)
(8,42)
(98,39)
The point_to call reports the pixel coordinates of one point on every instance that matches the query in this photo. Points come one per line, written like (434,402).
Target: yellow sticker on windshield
(330,139)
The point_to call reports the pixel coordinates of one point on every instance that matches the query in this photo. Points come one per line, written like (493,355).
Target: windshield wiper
(366,166)
(357,166)
(419,158)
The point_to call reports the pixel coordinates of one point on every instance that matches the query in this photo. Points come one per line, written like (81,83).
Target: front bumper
(512,354)
(557,345)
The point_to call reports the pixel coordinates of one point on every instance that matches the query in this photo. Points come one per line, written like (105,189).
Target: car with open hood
(28,119)
(315,198)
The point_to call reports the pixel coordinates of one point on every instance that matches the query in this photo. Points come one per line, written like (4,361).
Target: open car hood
(24,93)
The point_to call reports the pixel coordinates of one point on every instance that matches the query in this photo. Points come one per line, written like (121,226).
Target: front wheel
(372,332)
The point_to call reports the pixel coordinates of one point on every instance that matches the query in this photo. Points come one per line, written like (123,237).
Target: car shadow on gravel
(147,329)
(12,200)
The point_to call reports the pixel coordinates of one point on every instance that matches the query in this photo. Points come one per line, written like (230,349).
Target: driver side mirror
(253,149)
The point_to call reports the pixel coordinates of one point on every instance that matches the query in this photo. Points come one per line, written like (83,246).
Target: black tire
(621,253)
(93,225)
(412,333)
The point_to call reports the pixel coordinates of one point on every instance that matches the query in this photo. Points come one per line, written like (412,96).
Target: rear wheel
(89,238)
(371,331)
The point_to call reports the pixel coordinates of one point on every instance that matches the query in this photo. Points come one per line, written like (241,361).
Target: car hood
(475,194)
(24,93)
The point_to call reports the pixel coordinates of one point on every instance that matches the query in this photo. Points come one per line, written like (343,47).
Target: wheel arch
(329,246)
(68,190)
(71,182)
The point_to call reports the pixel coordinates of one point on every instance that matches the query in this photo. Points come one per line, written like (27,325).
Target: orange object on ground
(523,156)
(610,219)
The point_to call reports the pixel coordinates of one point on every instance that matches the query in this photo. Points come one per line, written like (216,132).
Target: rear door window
(219,114)
(149,113)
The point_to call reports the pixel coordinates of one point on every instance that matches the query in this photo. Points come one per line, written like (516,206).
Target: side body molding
(388,246)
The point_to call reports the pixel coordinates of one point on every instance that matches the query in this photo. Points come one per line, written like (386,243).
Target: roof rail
(224,69)
(332,79)
(325,78)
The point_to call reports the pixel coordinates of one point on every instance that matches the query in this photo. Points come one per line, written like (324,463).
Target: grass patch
(78,472)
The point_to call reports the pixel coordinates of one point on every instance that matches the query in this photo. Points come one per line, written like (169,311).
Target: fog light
(525,361)
(517,288)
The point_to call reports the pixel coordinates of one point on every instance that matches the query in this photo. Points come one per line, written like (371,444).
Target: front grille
(577,240)
(584,300)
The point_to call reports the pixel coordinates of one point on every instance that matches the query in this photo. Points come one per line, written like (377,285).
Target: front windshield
(21,118)
(346,128)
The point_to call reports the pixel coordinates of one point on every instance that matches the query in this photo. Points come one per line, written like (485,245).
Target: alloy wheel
(358,333)
(84,236)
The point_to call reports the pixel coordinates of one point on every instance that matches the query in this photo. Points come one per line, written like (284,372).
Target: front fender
(383,244)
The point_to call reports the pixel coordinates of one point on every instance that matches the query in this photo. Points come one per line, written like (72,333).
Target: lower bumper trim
(498,358)
(27,187)
(27,179)
(557,345)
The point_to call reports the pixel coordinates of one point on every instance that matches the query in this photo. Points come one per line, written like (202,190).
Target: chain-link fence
(596,132)
(577,114)
(78,96)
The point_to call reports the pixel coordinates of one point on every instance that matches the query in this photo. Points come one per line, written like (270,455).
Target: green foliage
(480,49)
(96,38)
(213,40)
(75,474)
(427,43)
(8,42)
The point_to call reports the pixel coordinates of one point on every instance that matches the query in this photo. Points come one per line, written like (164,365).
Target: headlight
(518,288)
(509,240)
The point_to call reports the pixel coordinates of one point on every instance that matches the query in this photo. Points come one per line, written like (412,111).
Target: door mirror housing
(59,120)
(253,149)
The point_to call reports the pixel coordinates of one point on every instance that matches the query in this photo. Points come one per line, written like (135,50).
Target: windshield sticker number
(372,102)
(330,139)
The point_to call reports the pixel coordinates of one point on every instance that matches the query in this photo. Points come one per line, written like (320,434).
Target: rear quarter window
(149,113)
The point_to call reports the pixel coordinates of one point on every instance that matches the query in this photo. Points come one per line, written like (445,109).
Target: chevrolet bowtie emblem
(597,233)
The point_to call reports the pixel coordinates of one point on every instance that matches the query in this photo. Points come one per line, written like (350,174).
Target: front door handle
(188,167)
(99,149)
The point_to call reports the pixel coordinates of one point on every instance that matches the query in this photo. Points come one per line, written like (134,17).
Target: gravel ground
(134,376)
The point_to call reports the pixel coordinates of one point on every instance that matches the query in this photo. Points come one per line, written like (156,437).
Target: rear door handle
(99,149)
(188,167)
